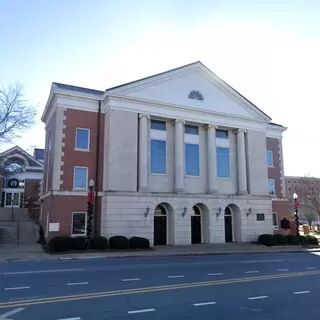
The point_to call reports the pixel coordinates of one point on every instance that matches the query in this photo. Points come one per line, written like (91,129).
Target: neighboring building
(308,191)
(178,158)
(21,178)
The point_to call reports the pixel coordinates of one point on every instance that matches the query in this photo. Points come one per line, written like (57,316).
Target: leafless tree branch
(16,114)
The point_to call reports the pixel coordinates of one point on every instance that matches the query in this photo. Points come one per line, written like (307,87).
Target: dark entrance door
(228,225)
(160,230)
(195,229)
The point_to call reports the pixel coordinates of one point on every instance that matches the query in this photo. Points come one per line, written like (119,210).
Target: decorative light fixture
(219,211)
(146,213)
(249,211)
(296,210)
(184,212)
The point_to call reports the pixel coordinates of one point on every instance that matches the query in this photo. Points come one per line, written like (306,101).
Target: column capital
(179,121)
(236,131)
(211,126)
(143,115)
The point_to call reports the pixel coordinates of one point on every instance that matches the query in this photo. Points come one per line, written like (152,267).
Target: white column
(241,157)
(179,155)
(143,152)
(212,158)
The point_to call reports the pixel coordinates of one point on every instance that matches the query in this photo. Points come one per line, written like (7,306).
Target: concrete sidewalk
(22,253)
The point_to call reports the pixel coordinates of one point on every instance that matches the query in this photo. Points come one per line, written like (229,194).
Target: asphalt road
(264,287)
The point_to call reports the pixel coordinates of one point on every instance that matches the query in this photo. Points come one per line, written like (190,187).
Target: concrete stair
(21,214)
(19,232)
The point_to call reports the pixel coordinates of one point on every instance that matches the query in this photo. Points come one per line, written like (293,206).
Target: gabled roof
(19,150)
(98,94)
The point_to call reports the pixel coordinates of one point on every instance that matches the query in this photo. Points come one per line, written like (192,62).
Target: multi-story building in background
(179,157)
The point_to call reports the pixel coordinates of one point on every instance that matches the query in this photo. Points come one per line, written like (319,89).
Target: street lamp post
(296,208)
(90,210)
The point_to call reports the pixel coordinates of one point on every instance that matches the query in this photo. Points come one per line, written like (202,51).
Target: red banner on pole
(90,196)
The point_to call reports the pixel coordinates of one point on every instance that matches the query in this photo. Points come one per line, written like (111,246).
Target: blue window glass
(223,162)
(269,158)
(158,156)
(192,159)
(191,129)
(82,139)
(271,187)
(158,125)
(222,134)
(80,178)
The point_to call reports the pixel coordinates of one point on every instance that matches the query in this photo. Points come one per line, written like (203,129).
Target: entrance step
(17,232)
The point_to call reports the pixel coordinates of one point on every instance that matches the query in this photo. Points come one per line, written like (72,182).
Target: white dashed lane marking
(132,279)
(17,288)
(311,268)
(200,304)
(282,269)
(141,311)
(173,277)
(253,271)
(215,274)
(301,292)
(258,298)
(76,283)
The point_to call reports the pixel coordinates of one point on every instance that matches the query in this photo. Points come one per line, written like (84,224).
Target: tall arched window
(194,94)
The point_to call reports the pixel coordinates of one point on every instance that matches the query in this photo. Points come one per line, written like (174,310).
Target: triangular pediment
(17,152)
(193,86)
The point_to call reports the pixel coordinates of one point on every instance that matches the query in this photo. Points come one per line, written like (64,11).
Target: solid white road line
(200,304)
(141,311)
(311,268)
(261,261)
(282,269)
(257,298)
(41,271)
(5,316)
(215,274)
(76,283)
(301,292)
(77,318)
(133,279)
(16,288)
(173,277)
(253,271)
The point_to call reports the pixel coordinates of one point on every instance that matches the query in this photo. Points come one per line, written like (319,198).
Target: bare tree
(309,194)
(310,216)
(16,113)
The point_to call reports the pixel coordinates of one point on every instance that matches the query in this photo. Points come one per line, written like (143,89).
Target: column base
(180,190)
(143,189)
(243,193)
(213,191)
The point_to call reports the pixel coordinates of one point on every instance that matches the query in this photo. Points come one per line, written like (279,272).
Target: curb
(187,254)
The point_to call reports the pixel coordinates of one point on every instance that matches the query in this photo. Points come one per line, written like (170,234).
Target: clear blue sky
(267,50)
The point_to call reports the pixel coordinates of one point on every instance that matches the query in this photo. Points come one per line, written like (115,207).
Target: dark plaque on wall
(285,224)
(13,183)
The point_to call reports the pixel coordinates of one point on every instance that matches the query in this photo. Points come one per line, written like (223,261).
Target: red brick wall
(275,172)
(60,210)
(31,189)
(71,158)
(50,136)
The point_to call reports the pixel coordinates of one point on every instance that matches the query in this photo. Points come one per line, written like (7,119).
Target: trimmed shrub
(312,240)
(139,243)
(79,243)
(295,240)
(281,239)
(119,242)
(59,244)
(304,240)
(289,238)
(99,243)
(267,240)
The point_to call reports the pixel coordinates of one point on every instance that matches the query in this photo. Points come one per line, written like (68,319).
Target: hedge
(79,243)
(139,243)
(278,239)
(99,243)
(119,242)
(267,240)
(59,244)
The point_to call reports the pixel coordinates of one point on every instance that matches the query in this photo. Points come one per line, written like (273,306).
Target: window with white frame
(223,153)
(275,220)
(82,139)
(80,178)
(271,187)
(158,125)
(79,224)
(270,158)
(191,149)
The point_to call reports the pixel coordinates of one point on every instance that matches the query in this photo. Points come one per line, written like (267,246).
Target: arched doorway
(196,228)
(232,223)
(160,226)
